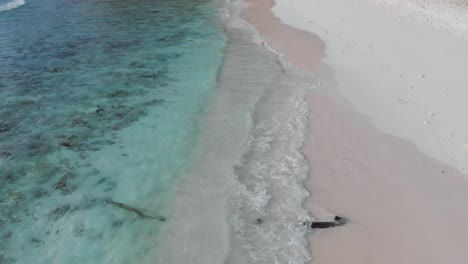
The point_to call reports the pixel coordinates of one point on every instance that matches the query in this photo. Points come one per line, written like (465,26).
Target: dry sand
(404,206)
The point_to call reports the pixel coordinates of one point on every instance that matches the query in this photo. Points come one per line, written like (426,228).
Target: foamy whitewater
(268,211)
(268,190)
(11,5)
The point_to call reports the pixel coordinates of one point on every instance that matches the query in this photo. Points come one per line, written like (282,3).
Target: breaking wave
(11,5)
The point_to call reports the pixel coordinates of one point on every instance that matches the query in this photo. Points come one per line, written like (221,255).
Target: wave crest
(11,5)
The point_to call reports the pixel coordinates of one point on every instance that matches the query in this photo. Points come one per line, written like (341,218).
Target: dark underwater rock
(38,146)
(26,102)
(117,223)
(5,155)
(79,230)
(39,192)
(99,110)
(110,46)
(101,180)
(5,259)
(64,54)
(5,126)
(35,240)
(137,65)
(69,142)
(118,93)
(87,204)
(154,102)
(129,208)
(62,182)
(7,235)
(59,212)
(58,69)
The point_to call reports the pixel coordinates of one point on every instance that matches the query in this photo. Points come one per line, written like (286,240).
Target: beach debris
(259,221)
(465,147)
(139,212)
(337,221)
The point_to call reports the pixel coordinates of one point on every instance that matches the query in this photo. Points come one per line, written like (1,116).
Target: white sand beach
(387,141)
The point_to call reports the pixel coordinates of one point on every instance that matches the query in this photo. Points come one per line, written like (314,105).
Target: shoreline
(401,202)
(243,196)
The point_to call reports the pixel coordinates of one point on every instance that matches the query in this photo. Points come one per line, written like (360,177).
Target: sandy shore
(405,206)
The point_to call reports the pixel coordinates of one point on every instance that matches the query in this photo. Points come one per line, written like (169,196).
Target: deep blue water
(99,105)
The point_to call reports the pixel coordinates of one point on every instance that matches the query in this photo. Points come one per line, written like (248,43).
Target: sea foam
(268,193)
(11,5)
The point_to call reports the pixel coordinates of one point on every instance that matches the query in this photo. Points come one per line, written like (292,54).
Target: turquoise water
(100,103)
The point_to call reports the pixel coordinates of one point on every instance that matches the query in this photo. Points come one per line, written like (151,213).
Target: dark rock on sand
(337,221)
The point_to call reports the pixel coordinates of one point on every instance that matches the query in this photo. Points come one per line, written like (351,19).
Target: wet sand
(404,206)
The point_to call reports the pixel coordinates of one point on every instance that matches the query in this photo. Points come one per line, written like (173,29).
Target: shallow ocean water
(100,101)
